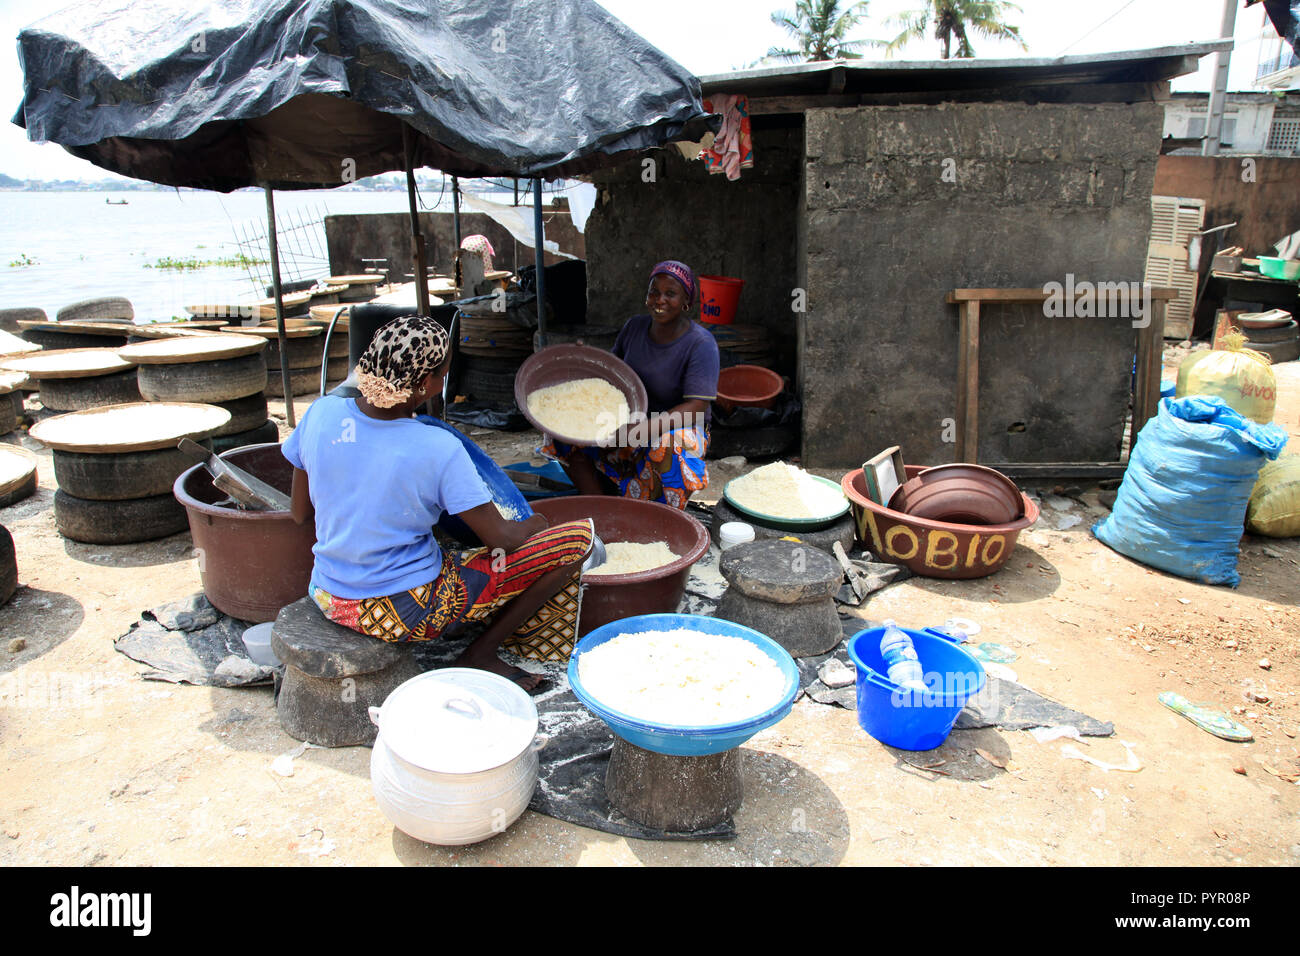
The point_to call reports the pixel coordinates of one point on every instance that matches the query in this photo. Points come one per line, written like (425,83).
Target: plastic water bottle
(901,663)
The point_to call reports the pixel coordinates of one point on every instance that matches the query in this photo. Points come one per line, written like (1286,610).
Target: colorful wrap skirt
(669,471)
(470,587)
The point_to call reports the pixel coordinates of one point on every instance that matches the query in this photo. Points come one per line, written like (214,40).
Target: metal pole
(539,241)
(1218,98)
(455,209)
(279,307)
(417,237)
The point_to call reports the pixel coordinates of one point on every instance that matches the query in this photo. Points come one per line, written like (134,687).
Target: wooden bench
(1146,388)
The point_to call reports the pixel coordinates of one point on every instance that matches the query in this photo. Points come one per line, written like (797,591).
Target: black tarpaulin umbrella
(308,94)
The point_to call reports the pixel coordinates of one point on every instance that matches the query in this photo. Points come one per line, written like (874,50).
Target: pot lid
(458,720)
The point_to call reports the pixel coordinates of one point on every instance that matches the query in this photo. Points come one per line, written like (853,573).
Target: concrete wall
(745,228)
(351,238)
(1265,209)
(1041,191)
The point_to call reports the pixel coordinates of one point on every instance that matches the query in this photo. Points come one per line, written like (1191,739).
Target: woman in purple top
(677,360)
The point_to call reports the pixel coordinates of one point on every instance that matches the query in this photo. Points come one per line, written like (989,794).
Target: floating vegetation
(239,261)
(22,261)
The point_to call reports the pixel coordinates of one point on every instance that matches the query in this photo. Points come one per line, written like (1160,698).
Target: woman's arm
(497,531)
(300,499)
(683,415)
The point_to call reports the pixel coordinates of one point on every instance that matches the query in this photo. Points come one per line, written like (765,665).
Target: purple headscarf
(679,271)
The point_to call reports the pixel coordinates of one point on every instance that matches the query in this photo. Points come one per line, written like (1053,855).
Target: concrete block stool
(677,794)
(784,590)
(331,675)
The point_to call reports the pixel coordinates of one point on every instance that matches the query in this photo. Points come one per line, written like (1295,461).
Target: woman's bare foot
(496,665)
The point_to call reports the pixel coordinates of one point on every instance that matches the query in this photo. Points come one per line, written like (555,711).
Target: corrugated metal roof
(925,76)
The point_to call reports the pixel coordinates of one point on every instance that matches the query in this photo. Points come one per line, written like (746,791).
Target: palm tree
(819,27)
(952,19)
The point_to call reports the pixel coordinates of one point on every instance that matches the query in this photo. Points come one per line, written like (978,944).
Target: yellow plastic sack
(1274,508)
(1238,375)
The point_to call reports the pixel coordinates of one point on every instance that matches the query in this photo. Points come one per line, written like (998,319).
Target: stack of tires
(11,400)
(1280,342)
(17,475)
(115,468)
(86,324)
(743,345)
(305,341)
(70,380)
(8,566)
(11,319)
(226,370)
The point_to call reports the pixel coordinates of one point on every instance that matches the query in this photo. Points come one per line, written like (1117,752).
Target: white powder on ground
(588,409)
(784,491)
(629,557)
(682,677)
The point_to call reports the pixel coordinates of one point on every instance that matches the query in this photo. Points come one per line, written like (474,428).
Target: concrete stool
(331,675)
(677,794)
(784,590)
(842,530)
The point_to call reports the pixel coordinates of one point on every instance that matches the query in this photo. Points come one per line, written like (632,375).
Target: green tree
(954,20)
(819,28)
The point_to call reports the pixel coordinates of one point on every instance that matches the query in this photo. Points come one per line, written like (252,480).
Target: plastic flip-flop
(1210,721)
(992,653)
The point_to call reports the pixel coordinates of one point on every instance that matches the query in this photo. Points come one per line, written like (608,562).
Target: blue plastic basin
(912,720)
(680,739)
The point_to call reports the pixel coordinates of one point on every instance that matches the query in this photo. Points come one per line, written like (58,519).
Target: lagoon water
(84,248)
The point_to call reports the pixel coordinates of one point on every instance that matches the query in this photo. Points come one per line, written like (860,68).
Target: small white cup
(733,533)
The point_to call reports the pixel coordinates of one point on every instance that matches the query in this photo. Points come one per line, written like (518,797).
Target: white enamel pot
(455,761)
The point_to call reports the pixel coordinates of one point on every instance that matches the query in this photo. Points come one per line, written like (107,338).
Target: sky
(715,36)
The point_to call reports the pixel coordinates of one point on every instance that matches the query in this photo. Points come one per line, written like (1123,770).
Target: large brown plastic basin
(935,549)
(558,364)
(252,562)
(657,591)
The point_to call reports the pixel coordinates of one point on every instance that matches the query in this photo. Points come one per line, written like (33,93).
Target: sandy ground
(101,767)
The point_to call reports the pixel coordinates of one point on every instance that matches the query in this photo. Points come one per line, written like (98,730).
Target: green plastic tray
(790,524)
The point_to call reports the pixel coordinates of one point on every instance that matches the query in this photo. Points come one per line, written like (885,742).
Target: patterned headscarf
(400,355)
(481,246)
(679,271)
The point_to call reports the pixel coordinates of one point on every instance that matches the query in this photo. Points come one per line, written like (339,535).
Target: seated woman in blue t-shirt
(377,481)
(677,360)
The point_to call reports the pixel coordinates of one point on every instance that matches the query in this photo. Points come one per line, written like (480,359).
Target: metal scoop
(598,554)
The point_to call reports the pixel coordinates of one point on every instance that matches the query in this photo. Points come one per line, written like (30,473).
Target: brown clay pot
(934,549)
(252,562)
(960,493)
(748,386)
(657,591)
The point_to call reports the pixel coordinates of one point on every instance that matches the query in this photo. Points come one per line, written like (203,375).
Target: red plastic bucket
(718,298)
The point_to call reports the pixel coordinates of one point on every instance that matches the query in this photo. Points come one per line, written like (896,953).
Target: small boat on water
(115,202)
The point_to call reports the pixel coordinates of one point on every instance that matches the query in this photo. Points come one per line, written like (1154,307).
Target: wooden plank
(968,376)
(957,296)
(1060,469)
(1146,387)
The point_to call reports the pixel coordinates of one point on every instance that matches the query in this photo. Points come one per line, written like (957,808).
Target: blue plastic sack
(1182,505)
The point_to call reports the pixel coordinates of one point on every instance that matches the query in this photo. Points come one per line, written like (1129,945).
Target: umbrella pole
(455,211)
(539,240)
(417,237)
(279,306)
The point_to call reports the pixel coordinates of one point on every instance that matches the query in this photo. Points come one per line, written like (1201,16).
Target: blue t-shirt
(685,368)
(378,488)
